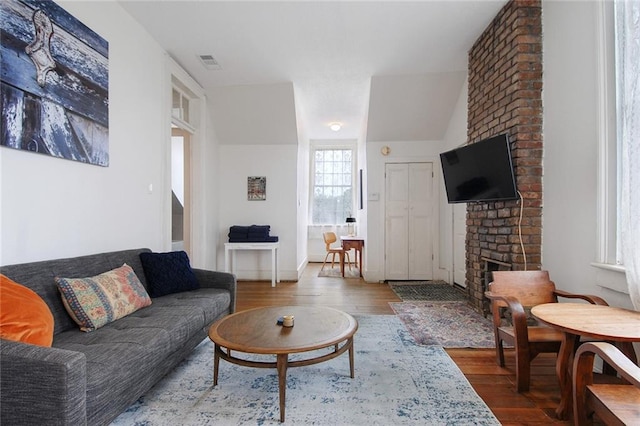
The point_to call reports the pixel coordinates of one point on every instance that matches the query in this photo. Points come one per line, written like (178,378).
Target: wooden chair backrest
(329,238)
(529,287)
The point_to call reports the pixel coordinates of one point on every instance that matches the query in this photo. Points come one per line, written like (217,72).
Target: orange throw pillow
(24,316)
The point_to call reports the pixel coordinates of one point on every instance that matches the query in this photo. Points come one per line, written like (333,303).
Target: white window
(608,151)
(613,51)
(180,105)
(183,103)
(627,25)
(332,184)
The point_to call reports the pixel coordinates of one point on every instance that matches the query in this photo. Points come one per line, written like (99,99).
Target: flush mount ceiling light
(335,126)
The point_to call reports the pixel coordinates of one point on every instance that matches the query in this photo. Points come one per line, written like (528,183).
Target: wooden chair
(330,238)
(510,293)
(613,404)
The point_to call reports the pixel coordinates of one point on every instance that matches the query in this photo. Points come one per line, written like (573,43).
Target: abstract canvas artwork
(54,83)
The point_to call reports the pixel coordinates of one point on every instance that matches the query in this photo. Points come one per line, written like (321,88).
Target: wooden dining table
(596,322)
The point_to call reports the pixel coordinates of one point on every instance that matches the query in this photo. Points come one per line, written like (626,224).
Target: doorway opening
(180,190)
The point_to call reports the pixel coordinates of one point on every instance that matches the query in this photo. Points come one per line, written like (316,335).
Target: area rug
(335,272)
(396,382)
(447,324)
(426,290)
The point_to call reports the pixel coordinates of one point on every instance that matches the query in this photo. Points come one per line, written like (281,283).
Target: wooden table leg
(281,365)
(342,263)
(216,364)
(564,365)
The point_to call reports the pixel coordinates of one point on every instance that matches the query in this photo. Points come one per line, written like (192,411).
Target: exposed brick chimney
(505,96)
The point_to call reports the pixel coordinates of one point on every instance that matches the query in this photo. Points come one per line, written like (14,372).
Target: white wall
(54,208)
(278,164)
(412,107)
(302,255)
(417,116)
(415,151)
(302,203)
(571,108)
(455,136)
(257,114)
(210,191)
(256,127)
(362,215)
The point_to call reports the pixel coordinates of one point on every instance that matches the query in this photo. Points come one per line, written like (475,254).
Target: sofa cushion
(168,273)
(95,301)
(213,303)
(118,363)
(24,316)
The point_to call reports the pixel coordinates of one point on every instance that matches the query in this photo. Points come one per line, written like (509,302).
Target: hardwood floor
(349,295)
(495,385)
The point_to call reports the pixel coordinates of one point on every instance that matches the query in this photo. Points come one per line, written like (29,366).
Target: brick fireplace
(505,96)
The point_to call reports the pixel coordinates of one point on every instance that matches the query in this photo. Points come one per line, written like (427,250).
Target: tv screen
(481,171)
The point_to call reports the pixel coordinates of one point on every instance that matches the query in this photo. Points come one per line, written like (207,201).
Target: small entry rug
(427,290)
(447,324)
(397,382)
(334,272)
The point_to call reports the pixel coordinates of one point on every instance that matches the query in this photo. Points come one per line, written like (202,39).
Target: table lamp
(351,226)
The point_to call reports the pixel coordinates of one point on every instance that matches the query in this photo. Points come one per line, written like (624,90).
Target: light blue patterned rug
(397,382)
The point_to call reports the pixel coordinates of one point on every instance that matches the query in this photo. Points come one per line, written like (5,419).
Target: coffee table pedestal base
(281,365)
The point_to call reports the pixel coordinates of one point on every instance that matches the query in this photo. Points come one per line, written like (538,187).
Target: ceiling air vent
(209,62)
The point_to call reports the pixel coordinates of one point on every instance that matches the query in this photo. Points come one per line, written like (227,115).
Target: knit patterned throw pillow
(95,301)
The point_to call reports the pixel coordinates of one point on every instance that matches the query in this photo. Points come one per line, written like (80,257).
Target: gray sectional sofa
(90,378)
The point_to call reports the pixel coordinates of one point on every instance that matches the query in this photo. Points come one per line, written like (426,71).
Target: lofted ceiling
(330,51)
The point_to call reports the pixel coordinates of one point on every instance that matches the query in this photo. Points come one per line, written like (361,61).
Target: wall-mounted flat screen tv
(481,171)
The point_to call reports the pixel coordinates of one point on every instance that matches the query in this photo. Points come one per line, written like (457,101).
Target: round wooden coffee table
(256,331)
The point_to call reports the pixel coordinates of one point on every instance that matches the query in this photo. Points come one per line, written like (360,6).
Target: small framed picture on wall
(257,188)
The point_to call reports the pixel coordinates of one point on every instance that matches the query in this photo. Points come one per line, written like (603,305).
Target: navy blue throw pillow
(168,273)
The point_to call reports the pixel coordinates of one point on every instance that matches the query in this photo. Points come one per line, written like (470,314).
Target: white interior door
(420,221)
(459,244)
(409,221)
(396,221)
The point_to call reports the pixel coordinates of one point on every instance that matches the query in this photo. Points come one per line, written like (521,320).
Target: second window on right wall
(619,108)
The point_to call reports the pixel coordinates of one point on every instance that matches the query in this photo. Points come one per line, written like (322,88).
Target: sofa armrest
(216,279)
(42,385)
